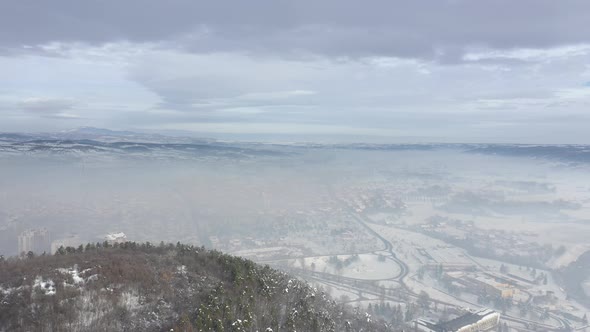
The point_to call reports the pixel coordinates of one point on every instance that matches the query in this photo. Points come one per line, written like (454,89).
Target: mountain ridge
(131,286)
(97,140)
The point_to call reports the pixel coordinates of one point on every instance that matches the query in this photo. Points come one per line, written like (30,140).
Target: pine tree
(61,251)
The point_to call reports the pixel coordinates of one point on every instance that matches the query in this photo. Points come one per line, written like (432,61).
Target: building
(505,291)
(489,286)
(113,238)
(484,285)
(481,320)
(35,240)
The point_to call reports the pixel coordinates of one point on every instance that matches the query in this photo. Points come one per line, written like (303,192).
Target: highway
(404,271)
(388,247)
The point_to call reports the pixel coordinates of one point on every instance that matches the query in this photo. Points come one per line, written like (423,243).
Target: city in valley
(427,232)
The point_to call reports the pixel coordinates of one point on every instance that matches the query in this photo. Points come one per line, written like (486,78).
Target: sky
(380,70)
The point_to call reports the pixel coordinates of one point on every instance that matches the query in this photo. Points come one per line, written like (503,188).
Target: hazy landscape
(370,224)
(295,166)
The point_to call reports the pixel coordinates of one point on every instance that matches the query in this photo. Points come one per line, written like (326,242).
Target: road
(388,247)
(404,271)
(366,288)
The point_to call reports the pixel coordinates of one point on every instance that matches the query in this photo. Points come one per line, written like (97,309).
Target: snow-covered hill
(90,141)
(141,287)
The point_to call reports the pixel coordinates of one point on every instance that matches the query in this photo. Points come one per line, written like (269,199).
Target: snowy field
(365,267)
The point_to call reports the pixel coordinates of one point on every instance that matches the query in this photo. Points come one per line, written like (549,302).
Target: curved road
(388,247)
(404,272)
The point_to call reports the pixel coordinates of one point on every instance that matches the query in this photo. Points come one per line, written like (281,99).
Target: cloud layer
(441,70)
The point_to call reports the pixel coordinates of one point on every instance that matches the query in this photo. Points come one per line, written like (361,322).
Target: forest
(144,287)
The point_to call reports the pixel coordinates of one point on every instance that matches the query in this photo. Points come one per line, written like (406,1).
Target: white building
(481,320)
(113,238)
(35,240)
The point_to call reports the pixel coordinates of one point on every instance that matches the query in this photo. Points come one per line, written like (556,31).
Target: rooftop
(459,322)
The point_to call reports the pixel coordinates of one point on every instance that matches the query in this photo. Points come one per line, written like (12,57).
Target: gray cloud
(441,30)
(49,107)
(510,70)
(45,105)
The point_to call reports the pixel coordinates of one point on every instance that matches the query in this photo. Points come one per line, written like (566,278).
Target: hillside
(576,277)
(141,287)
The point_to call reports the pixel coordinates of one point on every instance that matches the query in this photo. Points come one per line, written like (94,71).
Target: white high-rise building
(35,240)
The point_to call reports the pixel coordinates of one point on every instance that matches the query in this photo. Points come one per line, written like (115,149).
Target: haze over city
(304,165)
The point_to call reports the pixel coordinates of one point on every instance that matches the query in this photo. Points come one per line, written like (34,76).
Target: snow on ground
(76,275)
(568,229)
(416,213)
(181,270)
(432,288)
(6,291)
(91,308)
(410,246)
(338,292)
(388,284)
(382,217)
(129,300)
(571,255)
(46,286)
(363,266)
(417,249)
(260,254)
(357,241)
(364,304)
(494,266)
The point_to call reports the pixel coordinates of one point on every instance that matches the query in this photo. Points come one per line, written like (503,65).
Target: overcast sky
(384,70)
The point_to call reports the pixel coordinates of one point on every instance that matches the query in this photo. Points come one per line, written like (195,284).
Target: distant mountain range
(96,140)
(100,134)
(88,141)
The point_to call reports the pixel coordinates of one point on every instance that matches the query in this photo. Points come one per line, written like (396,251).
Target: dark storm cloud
(418,28)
